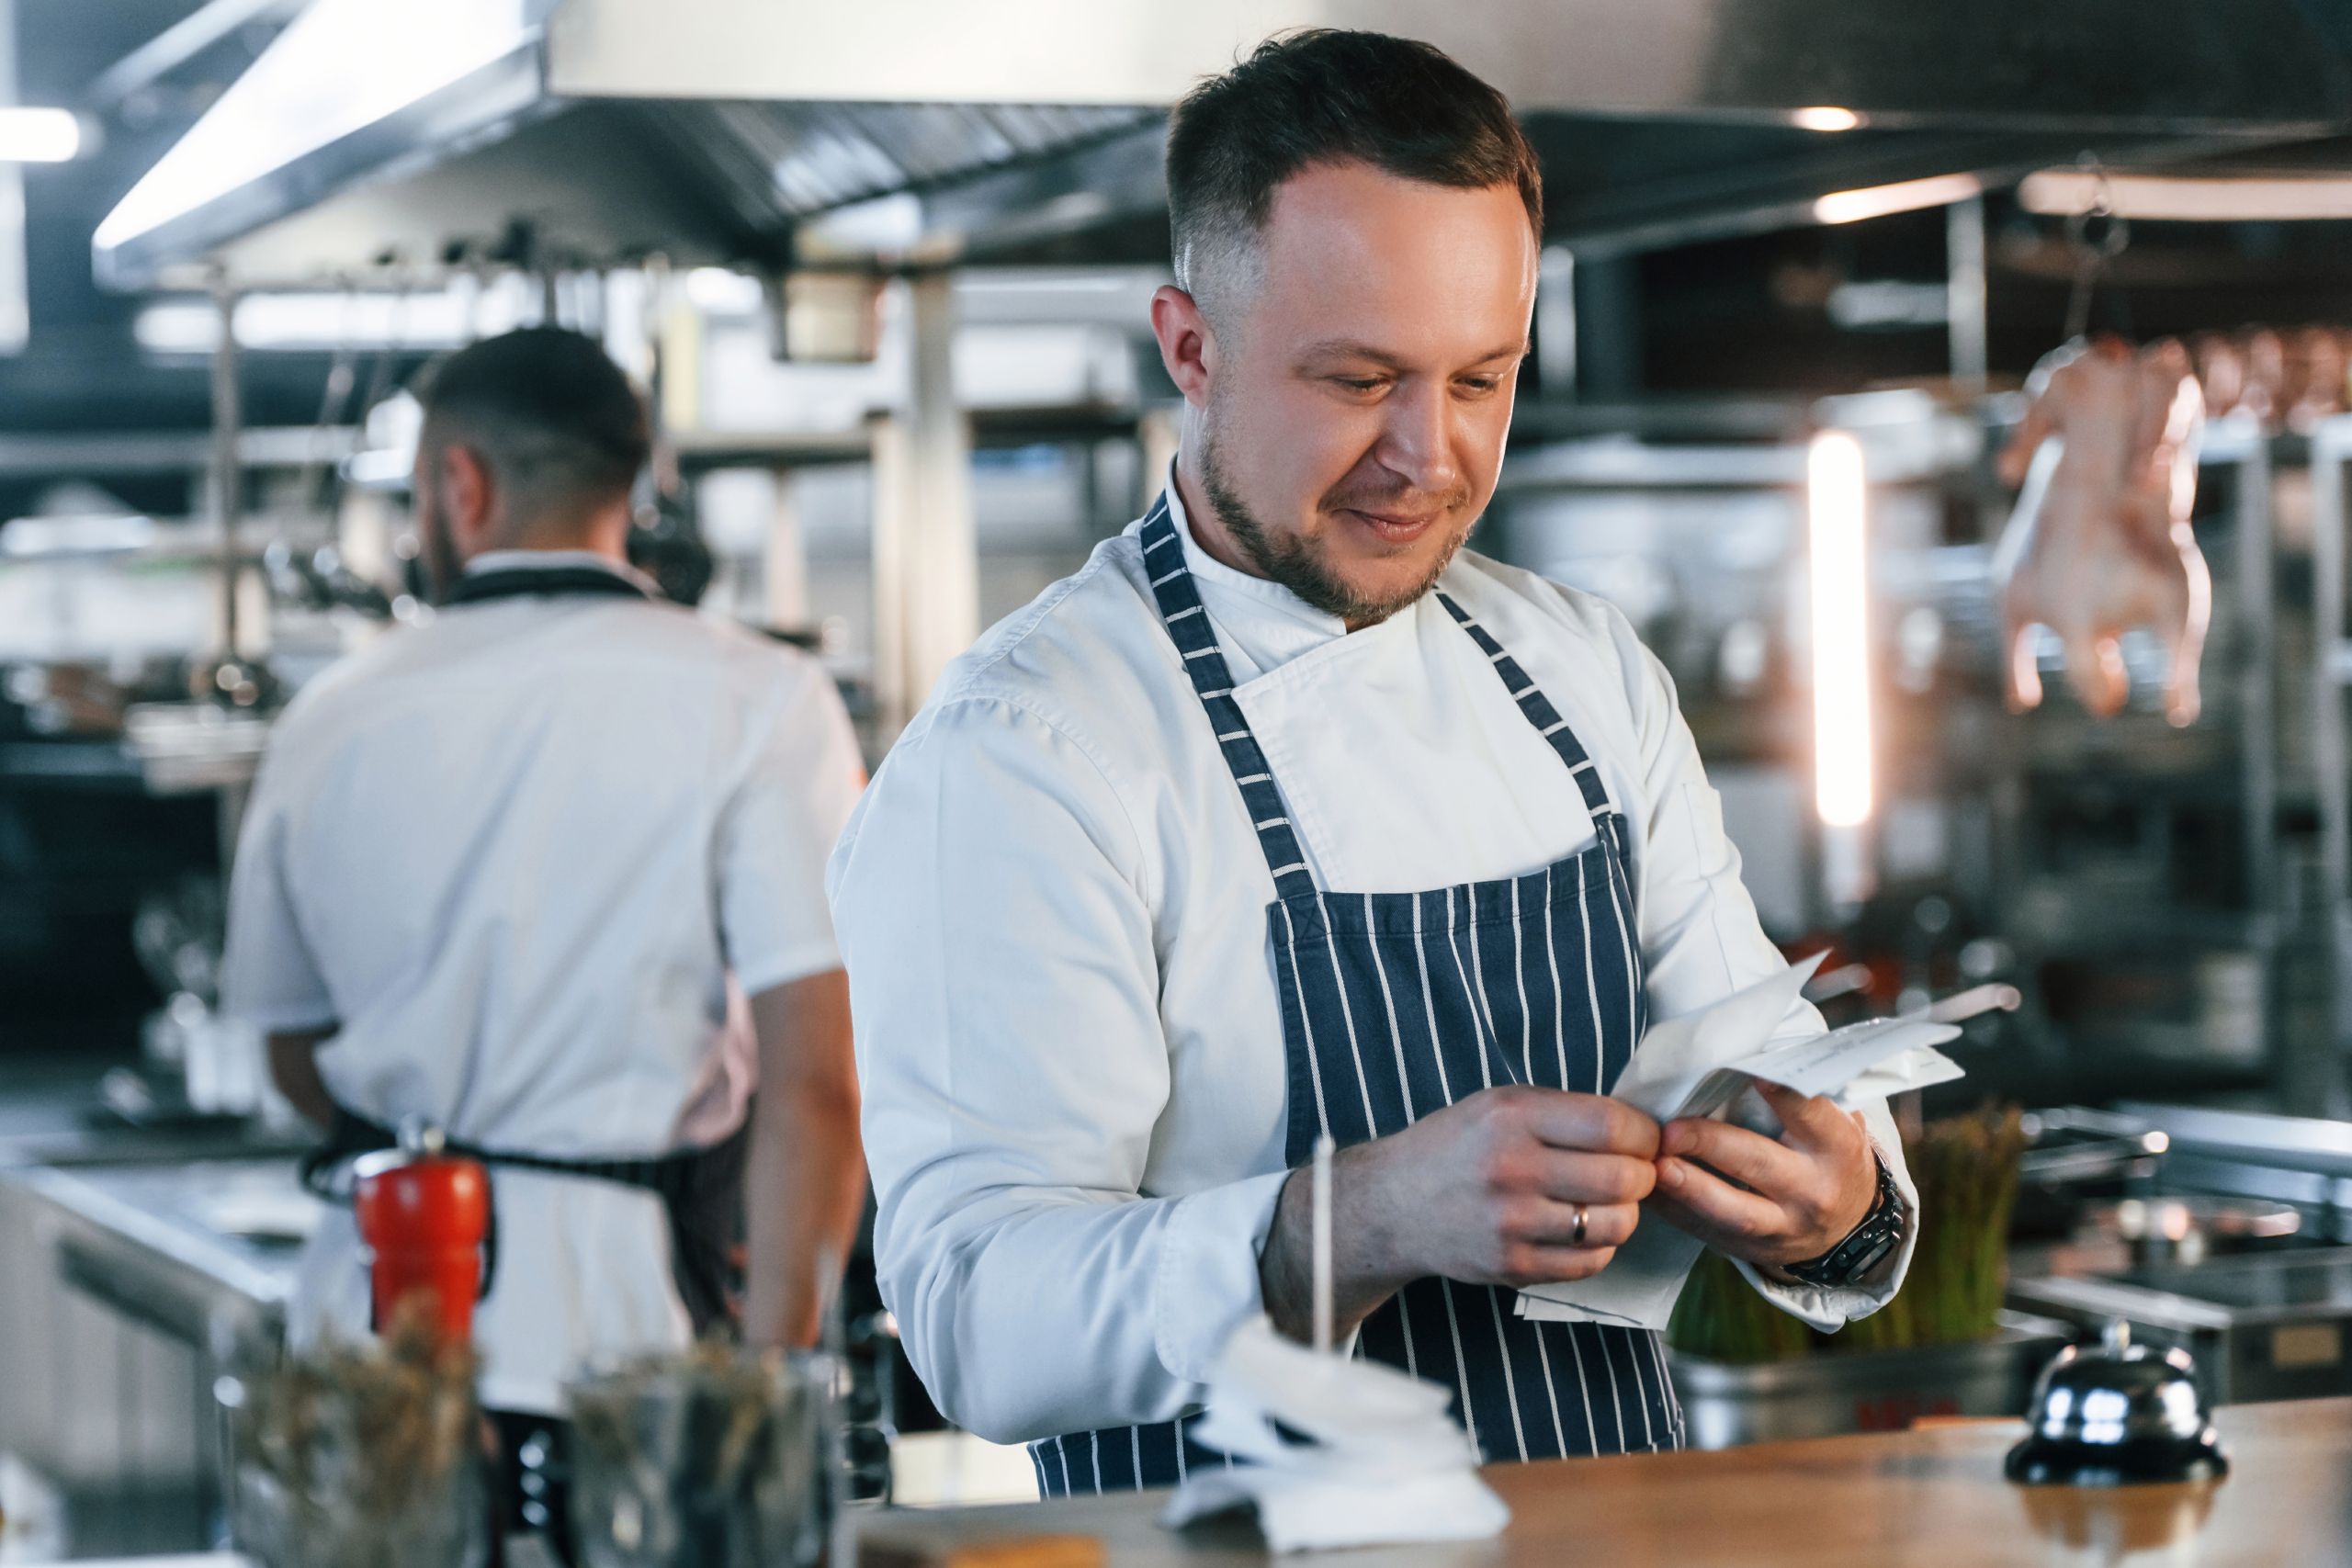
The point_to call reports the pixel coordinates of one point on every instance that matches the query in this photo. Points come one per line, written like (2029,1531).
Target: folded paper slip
(1371,1456)
(1697,1064)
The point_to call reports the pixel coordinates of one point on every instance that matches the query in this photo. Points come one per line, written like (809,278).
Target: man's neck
(1209,531)
(1208,526)
(605,537)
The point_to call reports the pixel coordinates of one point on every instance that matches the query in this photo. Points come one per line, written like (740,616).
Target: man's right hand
(1486,1190)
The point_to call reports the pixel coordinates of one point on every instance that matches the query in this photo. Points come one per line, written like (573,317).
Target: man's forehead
(1349,251)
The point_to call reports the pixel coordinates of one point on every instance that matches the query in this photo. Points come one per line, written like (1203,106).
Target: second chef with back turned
(546,875)
(1286,815)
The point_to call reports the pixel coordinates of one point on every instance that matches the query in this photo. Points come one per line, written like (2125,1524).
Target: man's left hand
(1769,1202)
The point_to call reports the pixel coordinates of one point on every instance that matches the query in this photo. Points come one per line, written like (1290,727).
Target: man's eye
(1481,384)
(1360,383)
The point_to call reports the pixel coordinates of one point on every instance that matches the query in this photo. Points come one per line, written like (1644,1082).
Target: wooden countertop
(1932,1498)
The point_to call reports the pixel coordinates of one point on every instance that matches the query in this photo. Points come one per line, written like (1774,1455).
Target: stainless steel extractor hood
(584,131)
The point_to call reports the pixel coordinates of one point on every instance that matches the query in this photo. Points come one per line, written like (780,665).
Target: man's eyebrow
(1350,348)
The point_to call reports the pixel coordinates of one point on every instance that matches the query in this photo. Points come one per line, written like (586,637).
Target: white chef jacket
(530,859)
(1052,904)
(1052,908)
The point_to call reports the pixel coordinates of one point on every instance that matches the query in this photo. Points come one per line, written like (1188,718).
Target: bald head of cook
(1356,221)
(532,440)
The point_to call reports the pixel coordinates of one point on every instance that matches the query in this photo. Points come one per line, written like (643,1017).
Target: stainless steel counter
(129,1288)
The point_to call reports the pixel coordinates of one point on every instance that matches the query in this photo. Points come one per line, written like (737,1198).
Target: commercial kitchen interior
(888,289)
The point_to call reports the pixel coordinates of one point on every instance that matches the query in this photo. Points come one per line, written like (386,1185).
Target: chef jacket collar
(559,560)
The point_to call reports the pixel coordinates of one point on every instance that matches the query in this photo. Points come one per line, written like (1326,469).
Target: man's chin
(1395,578)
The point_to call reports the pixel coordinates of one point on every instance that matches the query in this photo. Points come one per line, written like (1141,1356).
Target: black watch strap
(1865,1247)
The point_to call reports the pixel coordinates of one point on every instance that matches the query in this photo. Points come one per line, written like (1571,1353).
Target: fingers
(1694,1199)
(1589,1179)
(1585,1123)
(1749,1159)
(1553,1265)
(1812,1122)
(1550,1224)
(1541,1245)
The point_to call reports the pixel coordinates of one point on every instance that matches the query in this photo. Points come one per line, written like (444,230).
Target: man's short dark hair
(550,415)
(1324,94)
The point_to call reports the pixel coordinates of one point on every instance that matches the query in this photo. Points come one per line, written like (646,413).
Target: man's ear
(467,499)
(1187,346)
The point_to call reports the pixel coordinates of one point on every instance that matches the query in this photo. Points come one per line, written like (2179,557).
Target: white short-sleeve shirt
(528,861)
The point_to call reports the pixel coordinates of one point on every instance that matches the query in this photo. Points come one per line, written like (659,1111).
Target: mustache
(1394,501)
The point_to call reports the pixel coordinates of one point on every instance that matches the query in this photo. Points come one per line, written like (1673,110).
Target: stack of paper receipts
(1697,1065)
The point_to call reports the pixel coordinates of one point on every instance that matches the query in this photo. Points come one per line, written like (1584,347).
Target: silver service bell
(2117,1415)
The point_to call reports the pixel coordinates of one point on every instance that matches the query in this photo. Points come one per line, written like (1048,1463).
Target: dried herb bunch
(363,1456)
(1966,1170)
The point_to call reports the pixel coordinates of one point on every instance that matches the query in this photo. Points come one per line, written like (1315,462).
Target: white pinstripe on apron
(1396,1005)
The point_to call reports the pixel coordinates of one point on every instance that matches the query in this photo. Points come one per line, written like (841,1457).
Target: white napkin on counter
(1699,1064)
(1386,1463)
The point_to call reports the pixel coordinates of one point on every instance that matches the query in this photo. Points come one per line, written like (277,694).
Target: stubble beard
(1295,562)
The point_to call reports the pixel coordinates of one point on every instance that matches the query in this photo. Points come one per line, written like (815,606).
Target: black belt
(701,1192)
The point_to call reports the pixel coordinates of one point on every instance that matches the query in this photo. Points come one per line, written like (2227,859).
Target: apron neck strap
(1187,621)
(1537,709)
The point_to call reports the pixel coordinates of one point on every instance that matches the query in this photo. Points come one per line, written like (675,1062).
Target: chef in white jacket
(1286,816)
(547,874)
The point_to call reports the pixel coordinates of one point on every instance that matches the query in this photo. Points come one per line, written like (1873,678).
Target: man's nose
(1418,443)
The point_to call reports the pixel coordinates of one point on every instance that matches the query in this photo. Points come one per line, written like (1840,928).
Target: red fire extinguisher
(425,1216)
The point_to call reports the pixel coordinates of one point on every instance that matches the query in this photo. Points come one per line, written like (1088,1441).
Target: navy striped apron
(1396,1004)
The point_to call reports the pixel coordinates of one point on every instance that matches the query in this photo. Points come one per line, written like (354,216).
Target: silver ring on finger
(1576,1231)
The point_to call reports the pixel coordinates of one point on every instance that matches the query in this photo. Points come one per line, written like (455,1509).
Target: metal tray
(2264,1325)
(1829,1394)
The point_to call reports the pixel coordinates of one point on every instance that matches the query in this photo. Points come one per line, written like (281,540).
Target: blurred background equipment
(887,286)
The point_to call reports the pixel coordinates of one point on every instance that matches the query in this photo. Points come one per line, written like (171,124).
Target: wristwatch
(1865,1247)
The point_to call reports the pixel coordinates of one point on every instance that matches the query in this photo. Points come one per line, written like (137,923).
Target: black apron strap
(701,1192)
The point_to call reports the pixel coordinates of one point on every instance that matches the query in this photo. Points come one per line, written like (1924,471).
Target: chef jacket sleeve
(269,976)
(991,902)
(791,799)
(1702,941)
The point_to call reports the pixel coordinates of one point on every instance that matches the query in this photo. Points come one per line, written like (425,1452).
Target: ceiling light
(2190,199)
(1907,196)
(1825,117)
(39,136)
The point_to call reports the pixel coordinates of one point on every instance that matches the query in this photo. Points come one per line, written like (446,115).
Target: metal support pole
(1964,292)
(1156,433)
(228,469)
(2331,452)
(784,566)
(942,569)
(890,536)
(2258,680)
(1556,323)
(16,314)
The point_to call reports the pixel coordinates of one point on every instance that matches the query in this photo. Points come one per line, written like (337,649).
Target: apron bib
(1394,1004)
